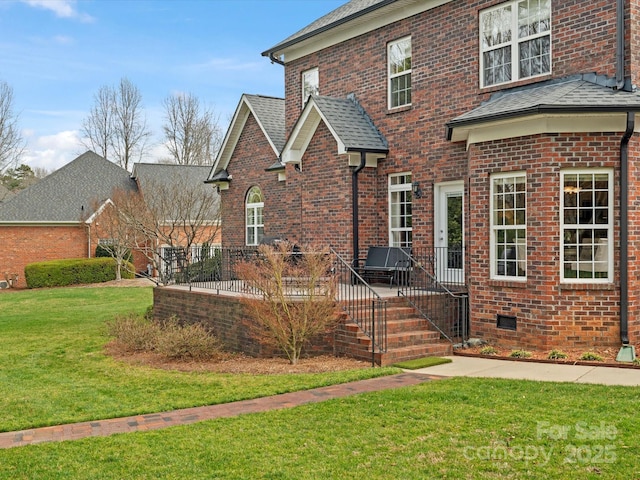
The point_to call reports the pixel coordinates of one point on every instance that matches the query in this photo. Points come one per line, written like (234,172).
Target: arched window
(254,219)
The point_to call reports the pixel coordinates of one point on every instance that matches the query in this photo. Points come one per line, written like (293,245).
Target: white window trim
(402,187)
(253,206)
(391,76)
(514,42)
(493,228)
(608,227)
(306,96)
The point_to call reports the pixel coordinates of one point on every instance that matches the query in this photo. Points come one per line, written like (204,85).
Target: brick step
(391,356)
(407,324)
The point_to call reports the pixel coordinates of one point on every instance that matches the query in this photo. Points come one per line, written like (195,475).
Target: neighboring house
(180,192)
(56,217)
(501,132)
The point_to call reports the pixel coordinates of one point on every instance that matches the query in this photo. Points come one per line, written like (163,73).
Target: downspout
(624,229)
(354,190)
(620,51)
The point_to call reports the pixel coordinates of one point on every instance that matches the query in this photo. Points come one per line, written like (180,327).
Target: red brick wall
(548,312)
(252,156)
(226,316)
(24,245)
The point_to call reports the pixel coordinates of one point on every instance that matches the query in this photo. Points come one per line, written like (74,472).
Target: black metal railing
(444,304)
(362,304)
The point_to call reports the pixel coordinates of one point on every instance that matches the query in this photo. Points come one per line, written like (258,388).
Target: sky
(56,54)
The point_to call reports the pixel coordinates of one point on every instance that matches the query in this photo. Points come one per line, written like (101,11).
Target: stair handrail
(406,287)
(362,305)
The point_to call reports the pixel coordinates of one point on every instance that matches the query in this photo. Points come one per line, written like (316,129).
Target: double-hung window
(515,41)
(399,71)
(400,210)
(253,214)
(310,84)
(587,225)
(509,226)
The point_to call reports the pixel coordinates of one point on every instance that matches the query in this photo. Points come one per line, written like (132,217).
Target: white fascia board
(97,213)
(29,223)
(538,124)
(233,135)
(359,26)
(302,134)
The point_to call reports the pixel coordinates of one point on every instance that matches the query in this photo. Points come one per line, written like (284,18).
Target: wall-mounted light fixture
(417,191)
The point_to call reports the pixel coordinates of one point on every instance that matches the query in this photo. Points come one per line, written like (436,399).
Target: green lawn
(53,369)
(463,428)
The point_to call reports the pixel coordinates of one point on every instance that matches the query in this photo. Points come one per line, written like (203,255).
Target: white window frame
(507,264)
(405,187)
(395,50)
(310,84)
(256,208)
(571,233)
(514,41)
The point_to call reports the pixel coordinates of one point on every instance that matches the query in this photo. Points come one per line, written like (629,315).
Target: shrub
(139,334)
(133,333)
(296,300)
(520,354)
(556,355)
(58,273)
(186,342)
(591,356)
(488,350)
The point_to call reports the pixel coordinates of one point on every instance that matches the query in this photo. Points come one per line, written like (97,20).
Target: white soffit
(542,123)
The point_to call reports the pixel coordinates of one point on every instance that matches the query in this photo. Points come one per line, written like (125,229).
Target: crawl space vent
(507,322)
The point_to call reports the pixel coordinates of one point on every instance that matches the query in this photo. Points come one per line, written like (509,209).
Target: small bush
(133,333)
(636,362)
(186,342)
(520,354)
(170,339)
(59,273)
(556,355)
(591,356)
(488,350)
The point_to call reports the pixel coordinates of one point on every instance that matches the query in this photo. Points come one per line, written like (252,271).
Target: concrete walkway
(550,372)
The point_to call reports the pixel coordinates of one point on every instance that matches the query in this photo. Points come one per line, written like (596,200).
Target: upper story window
(587,225)
(515,41)
(399,57)
(509,226)
(310,84)
(253,214)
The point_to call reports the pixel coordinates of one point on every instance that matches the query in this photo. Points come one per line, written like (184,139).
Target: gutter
(624,229)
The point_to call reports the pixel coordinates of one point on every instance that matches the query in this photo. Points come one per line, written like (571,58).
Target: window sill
(404,108)
(517,83)
(508,283)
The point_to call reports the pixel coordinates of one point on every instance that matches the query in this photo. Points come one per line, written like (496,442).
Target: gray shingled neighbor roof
(582,93)
(5,193)
(270,113)
(150,175)
(68,194)
(342,14)
(351,124)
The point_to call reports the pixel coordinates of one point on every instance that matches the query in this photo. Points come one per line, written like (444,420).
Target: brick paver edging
(155,421)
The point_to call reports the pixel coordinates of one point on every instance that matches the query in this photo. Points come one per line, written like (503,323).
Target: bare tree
(116,127)
(173,215)
(192,133)
(12,144)
(97,128)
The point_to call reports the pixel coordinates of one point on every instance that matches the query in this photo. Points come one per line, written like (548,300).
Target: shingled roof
(68,195)
(268,112)
(577,94)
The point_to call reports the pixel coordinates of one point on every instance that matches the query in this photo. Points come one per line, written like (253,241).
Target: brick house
(56,217)
(504,130)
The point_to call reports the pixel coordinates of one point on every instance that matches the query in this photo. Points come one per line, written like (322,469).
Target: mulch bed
(608,355)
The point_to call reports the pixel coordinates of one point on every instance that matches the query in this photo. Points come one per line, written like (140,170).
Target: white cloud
(52,151)
(61,8)
(63,40)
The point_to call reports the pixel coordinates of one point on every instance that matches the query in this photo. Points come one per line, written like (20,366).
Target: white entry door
(449,232)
